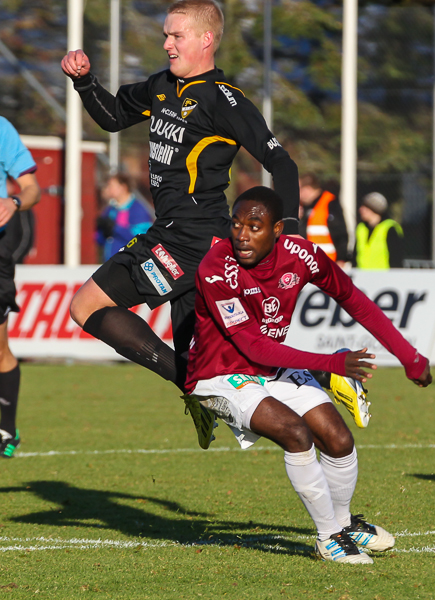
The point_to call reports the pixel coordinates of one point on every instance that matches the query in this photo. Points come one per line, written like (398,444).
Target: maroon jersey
(231,298)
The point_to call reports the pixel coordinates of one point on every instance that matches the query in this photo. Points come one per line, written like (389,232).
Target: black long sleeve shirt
(197,126)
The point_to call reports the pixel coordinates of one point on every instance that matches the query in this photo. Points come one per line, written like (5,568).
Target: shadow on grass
(97,510)
(426,476)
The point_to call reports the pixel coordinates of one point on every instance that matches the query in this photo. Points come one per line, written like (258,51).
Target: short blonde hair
(207,16)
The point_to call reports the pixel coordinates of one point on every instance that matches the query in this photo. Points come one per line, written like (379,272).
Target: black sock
(9,388)
(133,338)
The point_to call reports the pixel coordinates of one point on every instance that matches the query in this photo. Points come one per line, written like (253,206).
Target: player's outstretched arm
(355,363)
(75,64)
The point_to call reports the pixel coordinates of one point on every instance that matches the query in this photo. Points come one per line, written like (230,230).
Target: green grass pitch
(110,496)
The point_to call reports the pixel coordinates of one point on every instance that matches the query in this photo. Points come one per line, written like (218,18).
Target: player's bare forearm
(30,192)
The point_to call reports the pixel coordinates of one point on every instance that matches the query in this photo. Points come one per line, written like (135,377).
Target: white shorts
(234,398)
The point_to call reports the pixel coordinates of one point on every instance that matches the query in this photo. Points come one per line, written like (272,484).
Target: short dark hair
(123,179)
(267,197)
(310,179)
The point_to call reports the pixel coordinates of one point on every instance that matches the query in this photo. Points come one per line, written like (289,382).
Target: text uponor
(303,254)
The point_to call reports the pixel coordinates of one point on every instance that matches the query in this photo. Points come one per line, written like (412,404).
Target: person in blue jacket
(123,218)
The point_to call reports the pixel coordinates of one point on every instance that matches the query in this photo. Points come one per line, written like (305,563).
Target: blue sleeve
(15,158)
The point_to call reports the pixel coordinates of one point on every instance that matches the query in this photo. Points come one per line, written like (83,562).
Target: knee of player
(340,442)
(76,310)
(297,437)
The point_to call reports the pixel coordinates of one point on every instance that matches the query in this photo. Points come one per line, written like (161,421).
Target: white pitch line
(19,454)
(31,544)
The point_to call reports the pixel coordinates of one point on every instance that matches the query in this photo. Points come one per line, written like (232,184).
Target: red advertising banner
(44,328)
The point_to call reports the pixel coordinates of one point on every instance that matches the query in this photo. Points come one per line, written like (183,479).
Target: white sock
(307,477)
(341,474)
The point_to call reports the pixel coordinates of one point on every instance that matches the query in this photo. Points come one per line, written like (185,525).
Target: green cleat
(8,445)
(204,419)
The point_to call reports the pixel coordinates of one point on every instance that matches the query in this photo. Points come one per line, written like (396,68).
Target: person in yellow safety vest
(379,240)
(321,219)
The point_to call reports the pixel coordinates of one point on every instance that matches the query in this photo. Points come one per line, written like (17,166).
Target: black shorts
(159,266)
(7,289)
(10,239)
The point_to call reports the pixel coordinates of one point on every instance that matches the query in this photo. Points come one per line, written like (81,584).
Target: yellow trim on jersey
(231,86)
(192,159)
(179,92)
(147,113)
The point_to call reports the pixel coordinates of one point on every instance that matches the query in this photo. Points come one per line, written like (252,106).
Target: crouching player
(247,287)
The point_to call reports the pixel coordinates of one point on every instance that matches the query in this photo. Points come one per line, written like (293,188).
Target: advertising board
(44,329)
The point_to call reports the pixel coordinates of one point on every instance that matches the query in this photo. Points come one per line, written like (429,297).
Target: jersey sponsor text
(251,291)
(167,261)
(156,277)
(161,153)
(303,255)
(228,95)
(170,131)
(273,143)
(231,272)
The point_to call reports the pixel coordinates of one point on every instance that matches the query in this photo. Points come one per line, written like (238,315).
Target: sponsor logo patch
(239,381)
(155,276)
(270,308)
(288,280)
(167,261)
(232,312)
(161,97)
(188,106)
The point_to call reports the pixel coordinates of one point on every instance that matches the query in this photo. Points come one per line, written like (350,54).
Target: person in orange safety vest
(321,219)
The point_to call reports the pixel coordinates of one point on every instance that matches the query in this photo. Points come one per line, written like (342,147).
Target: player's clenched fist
(75,64)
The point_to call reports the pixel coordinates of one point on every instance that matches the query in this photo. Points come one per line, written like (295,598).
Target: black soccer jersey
(197,125)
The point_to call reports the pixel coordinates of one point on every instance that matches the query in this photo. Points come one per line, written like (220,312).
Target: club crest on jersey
(288,280)
(188,106)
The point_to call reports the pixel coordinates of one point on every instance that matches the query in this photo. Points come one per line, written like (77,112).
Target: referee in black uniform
(198,122)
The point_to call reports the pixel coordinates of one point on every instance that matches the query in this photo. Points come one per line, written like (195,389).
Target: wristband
(16,201)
